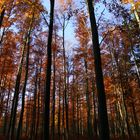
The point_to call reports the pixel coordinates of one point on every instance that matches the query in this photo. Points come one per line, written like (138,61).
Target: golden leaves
(137,6)
(125,1)
(64,4)
(2,2)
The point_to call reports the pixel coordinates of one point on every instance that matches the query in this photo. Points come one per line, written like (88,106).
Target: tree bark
(16,94)
(89,127)
(65,83)
(33,124)
(17,85)
(102,109)
(59,110)
(48,74)
(23,92)
(94,105)
(53,100)
(6,111)
(38,102)
(1,17)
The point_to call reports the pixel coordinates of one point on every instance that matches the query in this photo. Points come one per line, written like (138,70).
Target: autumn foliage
(69,69)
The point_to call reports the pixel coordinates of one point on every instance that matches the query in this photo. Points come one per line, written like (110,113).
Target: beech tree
(48,73)
(83,84)
(102,110)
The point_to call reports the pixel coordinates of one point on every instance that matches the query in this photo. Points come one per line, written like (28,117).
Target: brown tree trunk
(16,94)
(53,99)
(89,127)
(65,84)
(59,110)
(17,85)
(2,16)
(23,92)
(38,103)
(94,106)
(6,111)
(33,124)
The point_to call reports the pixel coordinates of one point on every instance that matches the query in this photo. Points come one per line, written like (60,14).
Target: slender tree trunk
(89,127)
(123,98)
(2,93)
(6,111)
(16,94)
(77,114)
(38,112)
(53,100)
(17,85)
(102,109)
(63,118)
(1,38)
(59,111)
(95,116)
(48,74)
(73,107)
(73,116)
(1,17)
(26,78)
(65,83)
(33,124)
(1,76)
(23,92)
(121,87)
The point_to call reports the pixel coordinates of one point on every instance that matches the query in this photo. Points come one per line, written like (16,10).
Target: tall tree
(48,73)
(102,109)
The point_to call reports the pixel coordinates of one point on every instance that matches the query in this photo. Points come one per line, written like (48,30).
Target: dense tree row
(55,88)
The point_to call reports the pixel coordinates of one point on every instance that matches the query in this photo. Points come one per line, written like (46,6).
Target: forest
(69,69)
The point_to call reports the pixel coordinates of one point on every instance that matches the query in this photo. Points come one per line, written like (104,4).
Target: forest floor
(73,138)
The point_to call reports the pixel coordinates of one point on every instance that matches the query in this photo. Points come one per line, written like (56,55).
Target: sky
(69,32)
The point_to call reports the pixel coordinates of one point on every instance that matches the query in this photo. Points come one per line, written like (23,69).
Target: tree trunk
(73,107)
(1,17)
(59,110)
(16,94)
(65,83)
(38,112)
(17,85)
(53,100)
(48,74)
(89,127)
(77,115)
(95,116)
(23,92)
(32,137)
(102,109)
(63,117)
(6,111)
